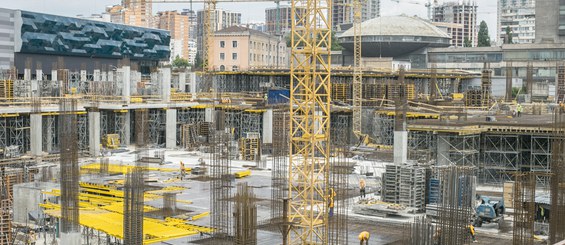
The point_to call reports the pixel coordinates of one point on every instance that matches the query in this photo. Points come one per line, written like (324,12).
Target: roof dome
(395,36)
(398,26)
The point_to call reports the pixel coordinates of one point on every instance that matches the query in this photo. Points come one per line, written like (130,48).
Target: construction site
(131,153)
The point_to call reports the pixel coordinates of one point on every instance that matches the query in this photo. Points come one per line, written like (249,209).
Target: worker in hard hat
(364,238)
(331,202)
(472,232)
(182,170)
(519,110)
(362,185)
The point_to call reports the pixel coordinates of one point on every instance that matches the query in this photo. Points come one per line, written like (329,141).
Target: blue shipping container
(278,96)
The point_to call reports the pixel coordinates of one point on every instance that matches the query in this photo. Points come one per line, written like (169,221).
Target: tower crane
(428,5)
(357,73)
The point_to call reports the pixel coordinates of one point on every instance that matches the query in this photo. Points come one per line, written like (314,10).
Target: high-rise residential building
(343,11)
(550,21)
(278,18)
(460,12)
(238,48)
(179,27)
(519,17)
(132,12)
(192,22)
(220,19)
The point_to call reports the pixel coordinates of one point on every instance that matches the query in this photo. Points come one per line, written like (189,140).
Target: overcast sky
(251,12)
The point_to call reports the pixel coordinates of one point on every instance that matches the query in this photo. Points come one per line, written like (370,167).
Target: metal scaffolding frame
(341,125)
(421,146)
(156,126)
(501,156)
(120,126)
(19,132)
(251,122)
(384,133)
(50,136)
(3,132)
(82,125)
(541,157)
(460,150)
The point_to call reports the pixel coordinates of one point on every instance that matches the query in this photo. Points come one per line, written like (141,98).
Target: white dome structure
(394,36)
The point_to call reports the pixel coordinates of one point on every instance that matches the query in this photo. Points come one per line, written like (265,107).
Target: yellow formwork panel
(123,169)
(112,224)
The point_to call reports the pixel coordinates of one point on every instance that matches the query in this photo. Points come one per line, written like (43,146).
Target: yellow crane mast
(310,121)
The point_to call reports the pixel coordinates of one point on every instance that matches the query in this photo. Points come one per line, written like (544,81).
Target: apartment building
(519,16)
(459,12)
(220,19)
(179,27)
(239,48)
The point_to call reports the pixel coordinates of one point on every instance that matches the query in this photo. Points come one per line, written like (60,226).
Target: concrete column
(94,132)
(36,135)
(53,75)
(96,75)
(126,83)
(268,126)
(35,88)
(71,238)
(110,76)
(103,76)
(192,80)
(182,82)
(27,74)
(209,114)
(83,75)
(165,84)
(171,128)
(39,74)
(400,147)
(127,135)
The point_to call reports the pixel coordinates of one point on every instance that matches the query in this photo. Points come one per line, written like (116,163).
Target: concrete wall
(27,198)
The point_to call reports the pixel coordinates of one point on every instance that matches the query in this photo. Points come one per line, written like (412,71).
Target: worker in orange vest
(364,238)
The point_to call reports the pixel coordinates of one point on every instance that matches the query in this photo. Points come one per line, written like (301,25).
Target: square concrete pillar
(53,75)
(27,74)
(268,126)
(36,134)
(96,75)
(127,134)
(400,147)
(94,132)
(39,74)
(126,83)
(83,76)
(209,114)
(171,128)
(182,82)
(165,74)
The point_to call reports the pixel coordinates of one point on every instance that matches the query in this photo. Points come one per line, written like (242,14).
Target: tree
(179,62)
(467,43)
(335,44)
(483,37)
(508,35)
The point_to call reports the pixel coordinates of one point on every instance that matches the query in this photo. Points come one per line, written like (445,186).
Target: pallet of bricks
(250,146)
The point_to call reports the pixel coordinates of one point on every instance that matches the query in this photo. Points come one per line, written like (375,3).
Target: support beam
(126,80)
(36,135)
(94,132)
(171,128)
(209,114)
(182,82)
(400,147)
(127,128)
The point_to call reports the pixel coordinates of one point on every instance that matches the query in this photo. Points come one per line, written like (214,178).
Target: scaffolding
(524,208)
(502,155)
(50,136)
(421,146)
(156,127)
(69,166)
(459,150)
(245,215)
(384,133)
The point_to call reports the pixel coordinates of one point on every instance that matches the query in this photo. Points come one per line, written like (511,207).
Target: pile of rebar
(245,215)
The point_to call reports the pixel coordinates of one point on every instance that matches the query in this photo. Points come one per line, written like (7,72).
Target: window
(222,44)
(234,44)
(234,68)
(222,68)
(222,56)
(234,56)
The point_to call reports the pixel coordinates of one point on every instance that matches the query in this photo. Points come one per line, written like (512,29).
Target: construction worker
(362,185)
(331,202)
(472,232)
(437,237)
(182,170)
(364,238)
(519,110)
